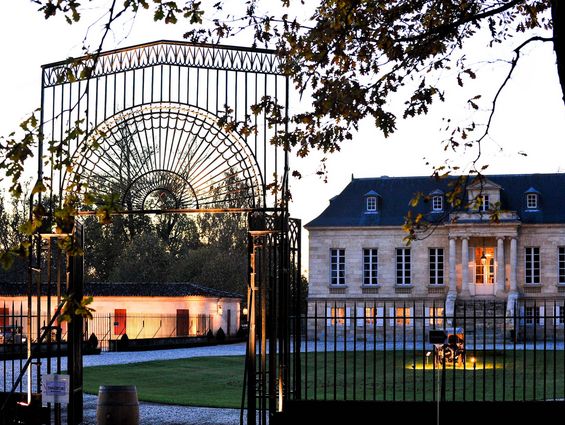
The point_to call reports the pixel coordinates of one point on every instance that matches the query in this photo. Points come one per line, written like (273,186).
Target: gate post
(75,330)
(250,360)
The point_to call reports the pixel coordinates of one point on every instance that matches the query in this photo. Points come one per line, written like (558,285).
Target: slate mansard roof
(109,289)
(348,209)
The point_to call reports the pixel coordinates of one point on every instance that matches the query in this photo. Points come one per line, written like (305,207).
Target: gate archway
(161,156)
(146,127)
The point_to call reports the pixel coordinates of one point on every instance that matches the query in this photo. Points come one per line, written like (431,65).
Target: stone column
(465,266)
(513,264)
(500,267)
(452,270)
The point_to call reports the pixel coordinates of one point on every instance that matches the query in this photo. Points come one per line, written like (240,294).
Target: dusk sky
(530,117)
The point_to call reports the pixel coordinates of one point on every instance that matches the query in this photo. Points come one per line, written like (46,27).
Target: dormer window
(437,200)
(371,202)
(532,201)
(483,195)
(483,203)
(437,203)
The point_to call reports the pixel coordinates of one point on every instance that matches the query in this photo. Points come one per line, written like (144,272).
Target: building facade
(138,310)
(504,247)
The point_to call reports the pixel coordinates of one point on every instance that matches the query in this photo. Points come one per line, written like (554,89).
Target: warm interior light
(280,395)
(245,311)
(220,309)
(473,360)
(483,259)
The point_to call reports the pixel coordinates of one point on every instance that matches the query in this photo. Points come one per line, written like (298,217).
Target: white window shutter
(541,315)
(348,320)
(522,316)
(360,316)
(380,315)
(392,314)
(328,317)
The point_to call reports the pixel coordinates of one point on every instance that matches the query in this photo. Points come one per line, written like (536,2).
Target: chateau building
(359,260)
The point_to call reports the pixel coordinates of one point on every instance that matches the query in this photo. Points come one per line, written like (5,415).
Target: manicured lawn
(406,376)
(200,381)
(218,381)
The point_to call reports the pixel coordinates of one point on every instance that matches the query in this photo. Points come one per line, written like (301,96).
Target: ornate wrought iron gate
(273,352)
(165,128)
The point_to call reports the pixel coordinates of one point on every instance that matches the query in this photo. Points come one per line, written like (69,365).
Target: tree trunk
(558,16)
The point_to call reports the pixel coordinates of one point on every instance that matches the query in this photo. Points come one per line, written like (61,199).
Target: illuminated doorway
(484,271)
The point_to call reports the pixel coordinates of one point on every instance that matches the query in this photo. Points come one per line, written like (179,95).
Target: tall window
(533,315)
(532,264)
(436,266)
(372,203)
(483,202)
(403,266)
(370,266)
(337,268)
(437,203)
(435,316)
(562,264)
(531,201)
(337,315)
(403,316)
(369,315)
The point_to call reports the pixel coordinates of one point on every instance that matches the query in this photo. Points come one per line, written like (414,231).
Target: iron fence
(415,351)
(16,326)
(109,327)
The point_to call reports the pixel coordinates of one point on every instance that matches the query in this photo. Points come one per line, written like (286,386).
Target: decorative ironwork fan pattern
(168,156)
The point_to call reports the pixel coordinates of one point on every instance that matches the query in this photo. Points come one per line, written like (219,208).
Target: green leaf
(38,188)
(6,259)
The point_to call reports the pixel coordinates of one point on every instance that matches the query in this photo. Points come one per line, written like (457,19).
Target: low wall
(142,344)
(407,412)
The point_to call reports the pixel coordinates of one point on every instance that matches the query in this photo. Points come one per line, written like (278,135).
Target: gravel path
(107,358)
(161,414)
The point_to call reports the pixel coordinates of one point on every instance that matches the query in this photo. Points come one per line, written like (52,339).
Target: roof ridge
(455,176)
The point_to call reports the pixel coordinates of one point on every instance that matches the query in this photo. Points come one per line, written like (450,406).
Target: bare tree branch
(558,17)
(513,64)
(441,29)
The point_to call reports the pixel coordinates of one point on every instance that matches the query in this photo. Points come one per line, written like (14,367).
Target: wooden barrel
(117,405)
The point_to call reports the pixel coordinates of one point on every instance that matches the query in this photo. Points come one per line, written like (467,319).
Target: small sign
(55,388)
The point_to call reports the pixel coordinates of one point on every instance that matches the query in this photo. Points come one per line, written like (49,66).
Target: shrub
(220,335)
(93,341)
(210,335)
(123,343)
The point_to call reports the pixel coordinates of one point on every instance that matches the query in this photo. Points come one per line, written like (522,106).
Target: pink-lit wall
(146,317)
